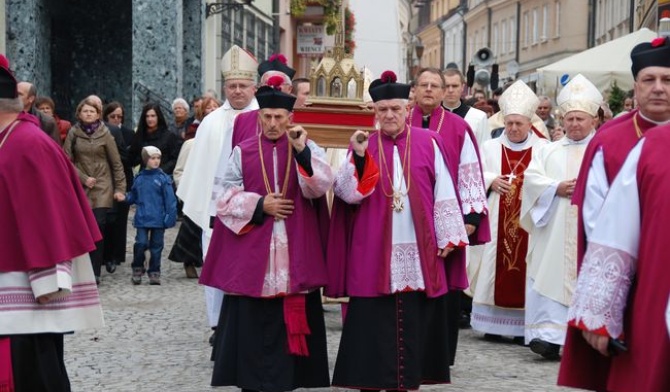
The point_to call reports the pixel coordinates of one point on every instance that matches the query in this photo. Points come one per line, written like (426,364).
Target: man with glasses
(462,155)
(208,160)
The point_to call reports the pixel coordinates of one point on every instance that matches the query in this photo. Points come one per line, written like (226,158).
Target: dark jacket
(156,203)
(124,137)
(164,140)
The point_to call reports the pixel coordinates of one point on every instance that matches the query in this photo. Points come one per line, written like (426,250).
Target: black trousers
(37,362)
(116,231)
(97,255)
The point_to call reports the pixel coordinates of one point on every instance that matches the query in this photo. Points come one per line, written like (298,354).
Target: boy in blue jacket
(156,211)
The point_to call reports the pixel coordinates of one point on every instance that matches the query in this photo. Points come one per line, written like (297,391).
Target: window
(513,34)
(238,29)
(226,33)
(262,40)
(557,21)
(503,38)
(251,33)
(526,33)
(536,30)
(545,22)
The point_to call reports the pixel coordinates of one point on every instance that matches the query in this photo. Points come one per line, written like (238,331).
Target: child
(156,210)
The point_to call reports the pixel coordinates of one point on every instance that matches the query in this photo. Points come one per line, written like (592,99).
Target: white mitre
(237,63)
(519,99)
(580,94)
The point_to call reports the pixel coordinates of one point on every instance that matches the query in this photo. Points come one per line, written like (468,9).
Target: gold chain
(638,131)
(265,173)
(397,194)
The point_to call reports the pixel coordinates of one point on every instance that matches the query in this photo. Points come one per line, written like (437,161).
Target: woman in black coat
(152,130)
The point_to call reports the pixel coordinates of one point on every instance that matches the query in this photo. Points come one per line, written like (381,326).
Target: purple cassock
(246,125)
(616,139)
(467,176)
(359,247)
(236,263)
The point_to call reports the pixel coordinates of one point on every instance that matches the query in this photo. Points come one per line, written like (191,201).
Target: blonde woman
(92,149)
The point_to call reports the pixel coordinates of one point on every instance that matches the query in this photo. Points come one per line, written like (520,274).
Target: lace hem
(346,184)
(602,289)
(471,189)
(406,271)
(319,183)
(236,208)
(449,226)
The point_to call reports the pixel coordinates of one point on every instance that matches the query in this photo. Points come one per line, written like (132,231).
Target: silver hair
(182,102)
(11,105)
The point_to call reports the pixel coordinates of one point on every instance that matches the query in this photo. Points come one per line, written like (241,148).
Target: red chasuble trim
(510,280)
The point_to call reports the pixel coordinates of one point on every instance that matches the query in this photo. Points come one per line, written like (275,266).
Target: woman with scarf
(92,149)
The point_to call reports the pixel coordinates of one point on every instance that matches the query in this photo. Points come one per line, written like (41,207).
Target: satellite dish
(564,79)
(512,68)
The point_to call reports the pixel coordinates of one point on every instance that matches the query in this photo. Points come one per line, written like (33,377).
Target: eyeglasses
(432,86)
(120,116)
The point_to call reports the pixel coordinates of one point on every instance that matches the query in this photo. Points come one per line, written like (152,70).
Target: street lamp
(418,49)
(219,7)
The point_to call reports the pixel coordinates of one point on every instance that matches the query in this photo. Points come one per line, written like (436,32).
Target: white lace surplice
(470,181)
(611,257)
(406,273)
(236,208)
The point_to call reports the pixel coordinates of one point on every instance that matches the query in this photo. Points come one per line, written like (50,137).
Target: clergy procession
(439,218)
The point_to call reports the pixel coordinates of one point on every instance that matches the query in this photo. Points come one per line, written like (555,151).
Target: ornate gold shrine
(335,106)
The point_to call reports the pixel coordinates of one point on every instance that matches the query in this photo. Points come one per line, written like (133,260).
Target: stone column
(157,51)
(194,19)
(28,32)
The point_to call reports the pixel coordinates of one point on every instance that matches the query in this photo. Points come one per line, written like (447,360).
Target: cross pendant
(398,204)
(510,178)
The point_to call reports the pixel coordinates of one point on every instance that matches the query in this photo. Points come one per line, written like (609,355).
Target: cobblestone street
(155,339)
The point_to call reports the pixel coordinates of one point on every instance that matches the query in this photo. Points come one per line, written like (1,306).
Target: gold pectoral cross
(398,204)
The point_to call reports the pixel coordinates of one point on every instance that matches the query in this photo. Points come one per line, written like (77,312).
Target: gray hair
(182,102)
(11,105)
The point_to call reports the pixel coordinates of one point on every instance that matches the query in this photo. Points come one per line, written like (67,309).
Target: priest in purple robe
(266,254)
(47,228)
(582,366)
(396,217)
(623,283)
(462,154)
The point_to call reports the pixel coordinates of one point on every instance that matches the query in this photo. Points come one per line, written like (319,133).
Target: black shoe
(464,321)
(545,349)
(492,337)
(212,338)
(191,272)
(97,281)
(110,266)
